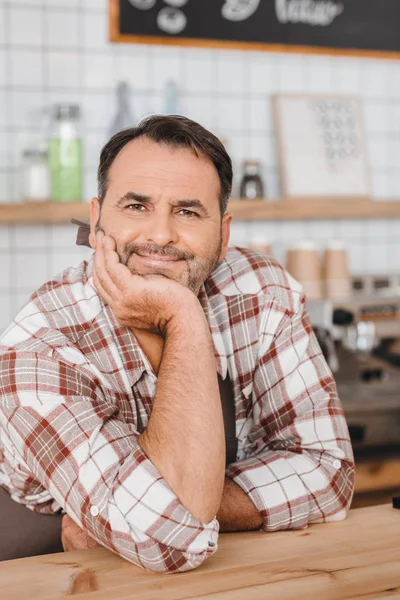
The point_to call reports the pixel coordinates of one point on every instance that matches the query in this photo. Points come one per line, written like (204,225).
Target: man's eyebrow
(183,203)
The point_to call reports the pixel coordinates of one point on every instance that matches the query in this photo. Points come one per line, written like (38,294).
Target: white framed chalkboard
(321,146)
(357,27)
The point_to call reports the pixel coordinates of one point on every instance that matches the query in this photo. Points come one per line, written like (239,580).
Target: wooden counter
(356,558)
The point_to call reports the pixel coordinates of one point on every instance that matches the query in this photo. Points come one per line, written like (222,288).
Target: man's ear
(225,235)
(94,219)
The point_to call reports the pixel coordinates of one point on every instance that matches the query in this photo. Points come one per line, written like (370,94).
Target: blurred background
(61,78)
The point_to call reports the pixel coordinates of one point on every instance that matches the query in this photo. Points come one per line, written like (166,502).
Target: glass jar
(35,176)
(65,155)
(251,186)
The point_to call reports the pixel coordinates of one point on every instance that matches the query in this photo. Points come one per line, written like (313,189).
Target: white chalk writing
(239,10)
(310,12)
(176,3)
(143,4)
(171,20)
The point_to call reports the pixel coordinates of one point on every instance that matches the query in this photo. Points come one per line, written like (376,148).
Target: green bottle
(65,155)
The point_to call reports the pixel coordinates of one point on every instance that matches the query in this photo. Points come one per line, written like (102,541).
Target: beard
(194,270)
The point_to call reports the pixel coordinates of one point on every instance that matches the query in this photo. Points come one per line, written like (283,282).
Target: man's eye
(136,207)
(188,213)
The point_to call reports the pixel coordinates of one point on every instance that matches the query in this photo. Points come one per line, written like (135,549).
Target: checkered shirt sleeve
(302,469)
(72,447)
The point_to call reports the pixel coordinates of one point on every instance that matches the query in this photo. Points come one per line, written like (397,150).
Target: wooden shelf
(43,212)
(242,210)
(320,208)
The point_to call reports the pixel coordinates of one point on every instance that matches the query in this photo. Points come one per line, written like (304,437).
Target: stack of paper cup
(303,263)
(336,275)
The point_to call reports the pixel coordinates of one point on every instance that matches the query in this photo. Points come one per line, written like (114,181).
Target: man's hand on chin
(141,302)
(74,538)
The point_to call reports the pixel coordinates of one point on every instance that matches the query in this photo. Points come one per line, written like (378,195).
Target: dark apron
(26,533)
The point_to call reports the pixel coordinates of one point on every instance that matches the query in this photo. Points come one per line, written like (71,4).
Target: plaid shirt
(76,391)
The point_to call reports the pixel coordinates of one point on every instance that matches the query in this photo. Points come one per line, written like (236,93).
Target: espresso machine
(360,338)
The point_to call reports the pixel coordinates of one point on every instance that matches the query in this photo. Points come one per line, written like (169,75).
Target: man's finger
(120,275)
(109,251)
(102,272)
(102,292)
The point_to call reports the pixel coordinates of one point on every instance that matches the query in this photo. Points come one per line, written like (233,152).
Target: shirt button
(94,511)
(337,464)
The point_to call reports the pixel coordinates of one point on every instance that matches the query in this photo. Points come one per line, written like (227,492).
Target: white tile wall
(98,71)
(2,24)
(61,28)
(133,65)
(2,65)
(63,69)
(200,71)
(26,67)
(26,26)
(58,50)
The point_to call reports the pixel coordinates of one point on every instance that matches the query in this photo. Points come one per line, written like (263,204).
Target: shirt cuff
(276,489)
(144,506)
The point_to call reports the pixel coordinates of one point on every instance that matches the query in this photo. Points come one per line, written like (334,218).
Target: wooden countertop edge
(357,558)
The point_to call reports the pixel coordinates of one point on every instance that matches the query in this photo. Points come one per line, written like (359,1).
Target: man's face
(162,209)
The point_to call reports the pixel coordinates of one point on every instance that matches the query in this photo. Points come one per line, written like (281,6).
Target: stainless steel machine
(360,337)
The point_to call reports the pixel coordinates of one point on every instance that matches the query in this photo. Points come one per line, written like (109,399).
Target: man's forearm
(185,435)
(237,512)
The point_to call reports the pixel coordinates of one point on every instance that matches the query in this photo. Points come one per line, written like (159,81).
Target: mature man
(110,407)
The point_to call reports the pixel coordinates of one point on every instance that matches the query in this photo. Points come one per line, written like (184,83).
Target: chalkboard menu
(362,27)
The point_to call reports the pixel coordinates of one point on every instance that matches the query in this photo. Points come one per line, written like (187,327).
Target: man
(110,406)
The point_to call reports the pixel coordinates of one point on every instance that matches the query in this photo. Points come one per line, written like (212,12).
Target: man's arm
(74,450)
(301,469)
(236,513)
(66,441)
(185,435)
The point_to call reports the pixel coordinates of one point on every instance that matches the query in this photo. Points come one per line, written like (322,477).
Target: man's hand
(237,512)
(138,302)
(74,538)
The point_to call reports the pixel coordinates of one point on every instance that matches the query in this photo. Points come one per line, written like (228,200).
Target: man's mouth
(156,259)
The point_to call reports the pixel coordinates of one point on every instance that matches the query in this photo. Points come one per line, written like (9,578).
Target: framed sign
(321,146)
(360,27)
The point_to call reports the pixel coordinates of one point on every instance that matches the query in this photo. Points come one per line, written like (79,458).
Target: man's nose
(161,229)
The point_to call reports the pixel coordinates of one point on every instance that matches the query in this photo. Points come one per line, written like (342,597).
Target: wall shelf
(242,210)
(320,208)
(43,212)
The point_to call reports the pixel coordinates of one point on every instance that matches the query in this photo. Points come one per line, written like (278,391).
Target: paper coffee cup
(335,268)
(303,263)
